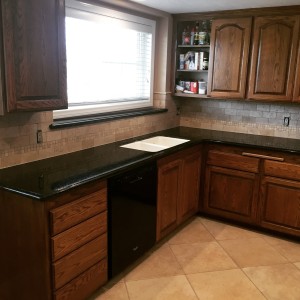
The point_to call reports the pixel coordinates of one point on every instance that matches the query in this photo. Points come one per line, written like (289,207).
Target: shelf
(197,71)
(189,95)
(193,46)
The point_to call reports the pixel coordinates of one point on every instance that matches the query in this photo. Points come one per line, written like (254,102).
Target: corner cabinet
(178,189)
(34,54)
(273,61)
(230,42)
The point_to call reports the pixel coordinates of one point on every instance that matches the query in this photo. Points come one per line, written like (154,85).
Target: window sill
(91,119)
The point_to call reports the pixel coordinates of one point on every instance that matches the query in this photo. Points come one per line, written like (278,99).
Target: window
(110,58)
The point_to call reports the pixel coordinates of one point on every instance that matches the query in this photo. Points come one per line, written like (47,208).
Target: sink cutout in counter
(155,144)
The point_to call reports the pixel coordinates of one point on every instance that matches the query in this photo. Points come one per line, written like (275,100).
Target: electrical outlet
(39,136)
(286,121)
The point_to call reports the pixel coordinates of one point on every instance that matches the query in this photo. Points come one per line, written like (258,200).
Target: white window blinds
(109,59)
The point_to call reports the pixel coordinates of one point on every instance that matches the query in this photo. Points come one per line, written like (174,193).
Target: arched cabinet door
(34,54)
(273,61)
(230,42)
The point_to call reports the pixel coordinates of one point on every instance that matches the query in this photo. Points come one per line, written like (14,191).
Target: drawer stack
(79,246)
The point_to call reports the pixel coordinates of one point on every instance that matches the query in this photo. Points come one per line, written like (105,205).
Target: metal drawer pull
(263,156)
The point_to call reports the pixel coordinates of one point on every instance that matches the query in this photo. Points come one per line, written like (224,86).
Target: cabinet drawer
(86,283)
(282,170)
(70,214)
(78,261)
(78,235)
(233,161)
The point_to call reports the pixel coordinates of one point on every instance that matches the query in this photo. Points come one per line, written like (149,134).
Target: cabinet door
(296,97)
(34,54)
(273,60)
(231,193)
(167,196)
(230,40)
(188,203)
(280,205)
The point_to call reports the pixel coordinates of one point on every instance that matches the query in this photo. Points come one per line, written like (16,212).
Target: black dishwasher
(131,216)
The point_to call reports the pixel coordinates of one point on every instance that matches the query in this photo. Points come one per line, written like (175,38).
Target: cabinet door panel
(296,97)
(231,193)
(168,193)
(230,40)
(280,205)
(35,55)
(188,204)
(273,59)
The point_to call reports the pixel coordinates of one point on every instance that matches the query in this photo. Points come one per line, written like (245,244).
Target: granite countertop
(48,177)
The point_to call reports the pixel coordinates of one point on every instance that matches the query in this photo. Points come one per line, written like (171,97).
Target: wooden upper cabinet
(297,80)
(230,42)
(274,52)
(34,54)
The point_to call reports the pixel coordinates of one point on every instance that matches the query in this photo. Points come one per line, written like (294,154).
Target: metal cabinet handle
(263,156)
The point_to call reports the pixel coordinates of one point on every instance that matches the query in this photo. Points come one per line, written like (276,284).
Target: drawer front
(80,260)
(70,214)
(85,284)
(78,235)
(233,161)
(282,170)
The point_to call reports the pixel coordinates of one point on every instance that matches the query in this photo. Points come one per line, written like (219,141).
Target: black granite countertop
(48,177)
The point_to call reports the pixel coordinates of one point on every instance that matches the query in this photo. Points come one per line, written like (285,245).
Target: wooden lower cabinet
(56,248)
(280,205)
(231,193)
(280,196)
(253,186)
(178,189)
(231,184)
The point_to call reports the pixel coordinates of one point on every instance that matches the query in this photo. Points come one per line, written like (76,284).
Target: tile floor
(209,259)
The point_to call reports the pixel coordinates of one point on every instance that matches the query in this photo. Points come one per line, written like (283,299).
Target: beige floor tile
(252,252)
(297,265)
(160,263)
(276,282)
(225,285)
(116,292)
(192,233)
(222,231)
(166,288)
(202,257)
(289,249)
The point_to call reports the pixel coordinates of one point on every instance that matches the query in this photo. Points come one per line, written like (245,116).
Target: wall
(18,130)
(241,116)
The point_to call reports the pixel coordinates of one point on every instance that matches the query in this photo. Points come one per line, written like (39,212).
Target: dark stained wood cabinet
(280,197)
(273,60)
(228,61)
(231,185)
(54,249)
(34,54)
(178,189)
(253,186)
(296,97)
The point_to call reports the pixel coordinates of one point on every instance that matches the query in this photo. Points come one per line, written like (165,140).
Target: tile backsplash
(241,116)
(18,131)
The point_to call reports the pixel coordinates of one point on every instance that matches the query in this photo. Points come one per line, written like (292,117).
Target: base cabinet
(231,185)
(253,186)
(280,197)
(61,247)
(178,189)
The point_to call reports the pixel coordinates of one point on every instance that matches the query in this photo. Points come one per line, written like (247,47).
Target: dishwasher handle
(136,179)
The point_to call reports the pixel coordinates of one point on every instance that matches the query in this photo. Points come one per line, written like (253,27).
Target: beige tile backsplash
(18,130)
(241,116)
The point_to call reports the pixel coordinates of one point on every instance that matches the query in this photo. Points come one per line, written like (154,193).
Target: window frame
(88,110)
